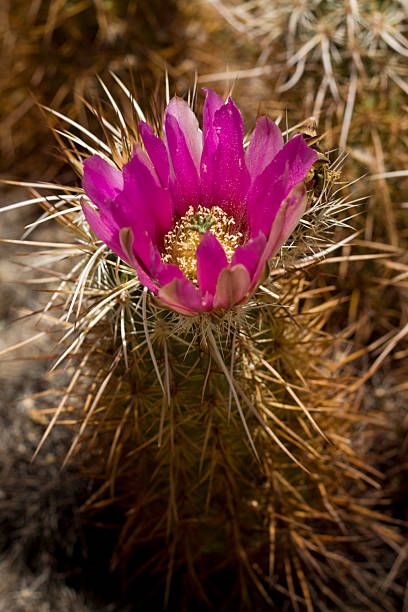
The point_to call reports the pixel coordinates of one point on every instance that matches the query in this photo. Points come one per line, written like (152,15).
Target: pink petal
(250,254)
(137,252)
(296,204)
(224,175)
(144,249)
(209,195)
(184,180)
(181,295)
(300,158)
(103,227)
(143,202)
(264,200)
(164,272)
(285,221)
(266,142)
(101,181)
(127,241)
(146,260)
(180,111)
(157,152)
(232,286)
(140,250)
(140,153)
(211,259)
(212,103)
(289,167)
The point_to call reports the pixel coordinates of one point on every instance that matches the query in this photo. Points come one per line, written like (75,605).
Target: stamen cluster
(180,244)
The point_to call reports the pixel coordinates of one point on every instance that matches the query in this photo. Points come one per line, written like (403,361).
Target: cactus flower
(194,213)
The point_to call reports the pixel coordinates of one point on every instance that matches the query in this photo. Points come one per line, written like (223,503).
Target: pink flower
(194,214)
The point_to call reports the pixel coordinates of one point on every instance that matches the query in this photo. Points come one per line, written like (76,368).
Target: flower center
(181,242)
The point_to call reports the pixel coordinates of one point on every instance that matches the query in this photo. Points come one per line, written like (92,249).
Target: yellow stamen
(180,244)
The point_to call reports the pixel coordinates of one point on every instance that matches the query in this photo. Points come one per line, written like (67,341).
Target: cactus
(223,434)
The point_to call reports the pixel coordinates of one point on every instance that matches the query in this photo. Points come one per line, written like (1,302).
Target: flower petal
(250,254)
(157,152)
(211,259)
(164,272)
(224,175)
(287,217)
(289,167)
(295,207)
(101,181)
(212,103)
(103,227)
(266,142)
(208,195)
(264,200)
(184,180)
(181,295)
(232,286)
(143,202)
(300,157)
(186,120)
(127,241)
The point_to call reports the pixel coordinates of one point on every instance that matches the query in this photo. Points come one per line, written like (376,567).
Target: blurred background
(345,64)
